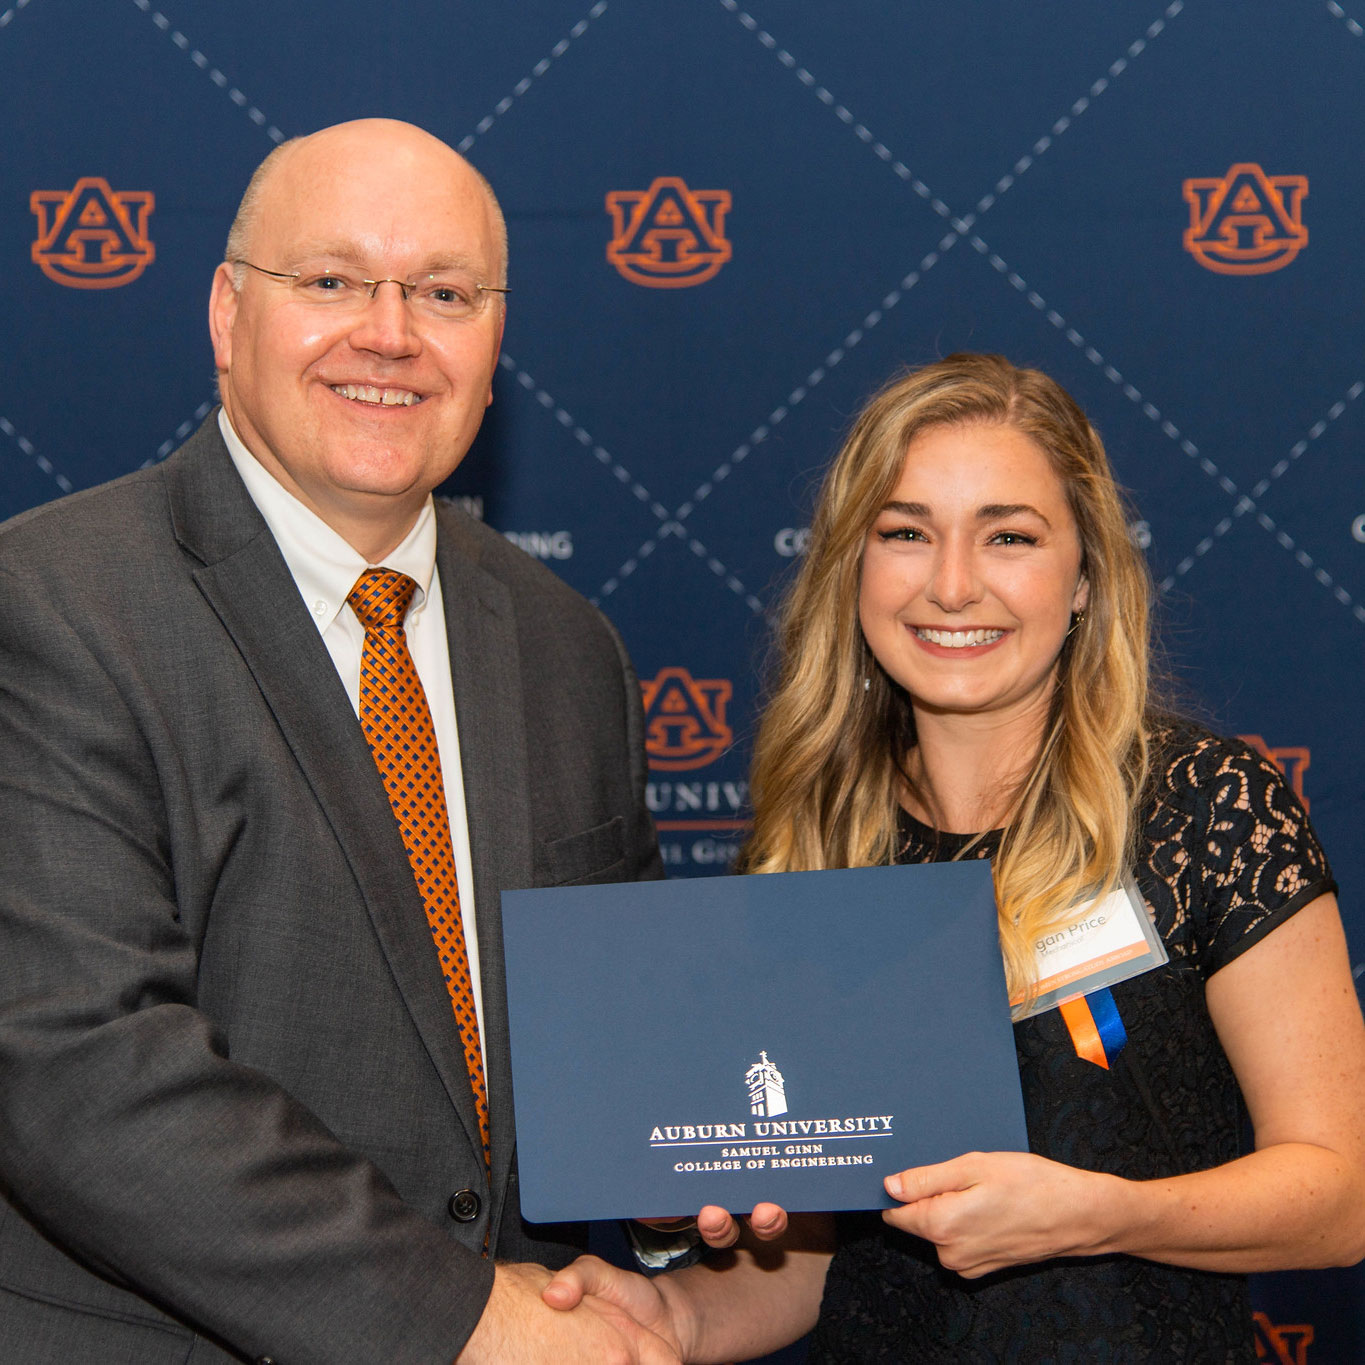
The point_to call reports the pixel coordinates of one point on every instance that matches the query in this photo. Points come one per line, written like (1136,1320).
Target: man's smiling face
(360,411)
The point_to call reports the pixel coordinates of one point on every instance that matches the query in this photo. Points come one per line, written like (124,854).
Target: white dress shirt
(325,569)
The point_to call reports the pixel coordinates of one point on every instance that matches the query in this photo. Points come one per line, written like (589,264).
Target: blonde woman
(964,675)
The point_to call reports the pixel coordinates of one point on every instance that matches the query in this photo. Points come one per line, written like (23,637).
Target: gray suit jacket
(232,1107)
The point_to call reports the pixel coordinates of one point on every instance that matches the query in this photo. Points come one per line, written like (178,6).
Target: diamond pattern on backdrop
(842,69)
(211,71)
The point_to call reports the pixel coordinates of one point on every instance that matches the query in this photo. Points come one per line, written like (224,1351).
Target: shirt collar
(324,566)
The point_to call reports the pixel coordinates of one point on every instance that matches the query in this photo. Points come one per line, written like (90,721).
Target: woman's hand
(719,1230)
(988,1210)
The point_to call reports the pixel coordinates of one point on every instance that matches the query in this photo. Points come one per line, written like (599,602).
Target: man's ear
(497,350)
(223,300)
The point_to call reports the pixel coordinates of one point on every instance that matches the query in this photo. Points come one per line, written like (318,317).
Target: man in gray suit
(236,1118)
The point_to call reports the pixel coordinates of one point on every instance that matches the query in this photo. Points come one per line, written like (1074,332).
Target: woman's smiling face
(971,573)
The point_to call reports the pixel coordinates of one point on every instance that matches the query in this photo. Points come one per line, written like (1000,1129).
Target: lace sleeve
(1255,857)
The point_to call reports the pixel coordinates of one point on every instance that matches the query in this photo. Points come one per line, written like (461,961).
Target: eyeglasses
(440,296)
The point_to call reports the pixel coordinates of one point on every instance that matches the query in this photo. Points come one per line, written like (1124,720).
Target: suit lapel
(247,583)
(485,666)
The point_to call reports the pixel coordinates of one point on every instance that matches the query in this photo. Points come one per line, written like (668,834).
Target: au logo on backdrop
(91,236)
(699,818)
(1291,759)
(1246,222)
(1281,1344)
(685,719)
(668,236)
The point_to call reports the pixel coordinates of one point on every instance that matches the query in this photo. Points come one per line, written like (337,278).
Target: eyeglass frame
(405,286)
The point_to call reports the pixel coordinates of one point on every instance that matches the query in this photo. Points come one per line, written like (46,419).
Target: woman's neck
(967,771)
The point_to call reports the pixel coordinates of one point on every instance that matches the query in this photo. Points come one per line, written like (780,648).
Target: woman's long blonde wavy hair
(830,760)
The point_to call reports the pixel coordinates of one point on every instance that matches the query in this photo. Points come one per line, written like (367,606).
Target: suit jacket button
(464,1206)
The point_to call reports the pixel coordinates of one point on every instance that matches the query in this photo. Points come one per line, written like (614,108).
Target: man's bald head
(378,134)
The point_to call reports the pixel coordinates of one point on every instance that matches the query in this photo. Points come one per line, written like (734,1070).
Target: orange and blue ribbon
(1096,1030)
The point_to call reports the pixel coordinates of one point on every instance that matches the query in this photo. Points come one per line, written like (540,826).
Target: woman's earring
(867,684)
(1076,618)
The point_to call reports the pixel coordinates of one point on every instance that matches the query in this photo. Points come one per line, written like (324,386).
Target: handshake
(595,1312)
(982,1212)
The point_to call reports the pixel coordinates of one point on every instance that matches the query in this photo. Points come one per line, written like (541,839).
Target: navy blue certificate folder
(794,1037)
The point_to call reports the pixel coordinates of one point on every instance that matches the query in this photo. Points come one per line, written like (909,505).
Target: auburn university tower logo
(92,237)
(767,1089)
(668,236)
(685,719)
(1246,222)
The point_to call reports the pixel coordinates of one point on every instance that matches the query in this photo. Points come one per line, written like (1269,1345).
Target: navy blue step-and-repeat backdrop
(730,221)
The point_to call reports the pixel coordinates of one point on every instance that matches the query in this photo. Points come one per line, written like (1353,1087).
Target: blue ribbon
(1107,1022)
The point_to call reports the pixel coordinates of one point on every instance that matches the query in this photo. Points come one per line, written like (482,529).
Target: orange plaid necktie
(397,723)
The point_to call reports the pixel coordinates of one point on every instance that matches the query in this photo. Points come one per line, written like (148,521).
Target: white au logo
(767,1090)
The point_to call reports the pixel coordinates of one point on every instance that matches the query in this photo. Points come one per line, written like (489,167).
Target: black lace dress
(1226,855)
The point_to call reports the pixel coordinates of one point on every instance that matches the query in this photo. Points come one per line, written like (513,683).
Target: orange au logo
(1291,760)
(92,237)
(1281,1345)
(1248,222)
(685,719)
(668,237)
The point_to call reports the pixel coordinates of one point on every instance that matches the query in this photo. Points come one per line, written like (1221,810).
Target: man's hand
(641,1299)
(736,1306)
(519,1328)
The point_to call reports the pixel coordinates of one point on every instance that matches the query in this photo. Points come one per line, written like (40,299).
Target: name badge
(1110,940)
